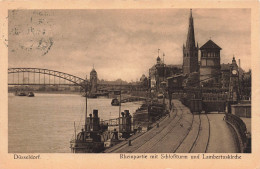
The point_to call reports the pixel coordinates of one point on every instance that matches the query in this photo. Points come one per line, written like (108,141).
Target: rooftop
(225,66)
(210,45)
(241,105)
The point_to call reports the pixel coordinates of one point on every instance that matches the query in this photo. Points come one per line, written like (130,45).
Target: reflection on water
(45,123)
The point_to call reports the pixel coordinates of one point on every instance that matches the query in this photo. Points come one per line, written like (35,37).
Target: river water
(45,123)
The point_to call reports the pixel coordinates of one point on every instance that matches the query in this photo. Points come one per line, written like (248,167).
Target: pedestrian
(139,128)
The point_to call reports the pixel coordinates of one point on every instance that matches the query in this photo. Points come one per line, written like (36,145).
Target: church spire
(190,43)
(190,51)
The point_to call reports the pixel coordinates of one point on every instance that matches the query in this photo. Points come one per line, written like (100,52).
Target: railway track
(200,144)
(197,141)
(175,149)
(141,134)
(160,130)
(197,135)
(209,135)
(164,135)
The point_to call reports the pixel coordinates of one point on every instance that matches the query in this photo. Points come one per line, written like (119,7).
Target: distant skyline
(121,44)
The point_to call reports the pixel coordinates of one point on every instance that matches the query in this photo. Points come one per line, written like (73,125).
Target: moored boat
(89,95)
(89,139)
(20,94)
(148,113)
(115,102)
(30,94)
(95,136)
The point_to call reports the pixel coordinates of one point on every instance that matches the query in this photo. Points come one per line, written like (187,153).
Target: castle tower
(210,62)
(190,51)
(93,81)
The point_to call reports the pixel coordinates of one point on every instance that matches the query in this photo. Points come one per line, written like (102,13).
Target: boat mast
(75,130)
(86,113)
(119,108)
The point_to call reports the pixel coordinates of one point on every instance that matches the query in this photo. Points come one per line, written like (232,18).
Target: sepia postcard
(129,84)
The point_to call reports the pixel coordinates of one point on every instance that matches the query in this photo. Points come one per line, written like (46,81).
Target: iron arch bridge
(38,80)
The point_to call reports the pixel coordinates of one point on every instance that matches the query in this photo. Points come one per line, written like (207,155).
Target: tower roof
(93,71)
(234,62)
(190,43)
(210,45)
(158,59)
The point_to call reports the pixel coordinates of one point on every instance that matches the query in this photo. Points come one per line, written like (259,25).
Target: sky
(121,43)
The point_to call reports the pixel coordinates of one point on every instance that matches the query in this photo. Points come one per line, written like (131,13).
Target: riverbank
(53,92)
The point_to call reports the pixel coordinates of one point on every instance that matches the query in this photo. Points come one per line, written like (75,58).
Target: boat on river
(30,94)
(148,113)
(94,137)
(89,139)
(20,93)
(89,95)
(115,102)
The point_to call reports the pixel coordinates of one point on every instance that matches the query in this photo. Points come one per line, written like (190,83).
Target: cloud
(121,43)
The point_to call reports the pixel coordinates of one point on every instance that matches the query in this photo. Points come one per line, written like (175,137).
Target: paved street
(183,132)
(221,138)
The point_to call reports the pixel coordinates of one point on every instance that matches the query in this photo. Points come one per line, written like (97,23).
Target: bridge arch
(71,78)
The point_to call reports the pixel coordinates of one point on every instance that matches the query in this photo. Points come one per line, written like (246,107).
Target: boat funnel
(127,114)
(95,113)
(123,114)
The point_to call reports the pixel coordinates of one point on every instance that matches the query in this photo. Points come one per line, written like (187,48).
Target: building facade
(226,72)
(159,73)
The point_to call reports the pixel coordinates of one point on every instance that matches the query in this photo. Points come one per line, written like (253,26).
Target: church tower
(190,51)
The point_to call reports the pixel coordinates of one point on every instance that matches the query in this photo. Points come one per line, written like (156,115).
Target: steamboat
(148,113)
(95,136)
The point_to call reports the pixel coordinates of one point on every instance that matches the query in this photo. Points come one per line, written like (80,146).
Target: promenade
(182,132)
